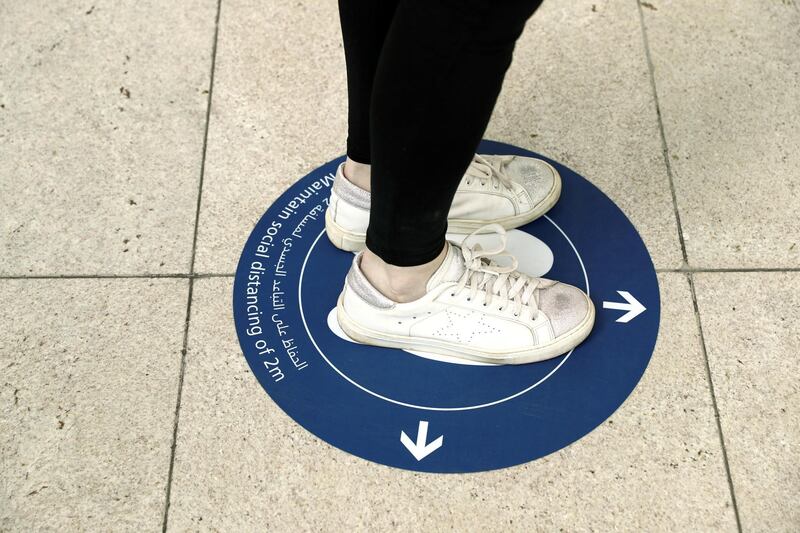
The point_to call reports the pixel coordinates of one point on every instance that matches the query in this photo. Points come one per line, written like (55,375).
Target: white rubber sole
(437,346)
(351,241)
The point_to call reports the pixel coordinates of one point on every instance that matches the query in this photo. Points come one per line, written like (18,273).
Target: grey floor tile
(102,112)
(751,323)
(579,92)
(87,401)
(728,78)
(278,111)
(242,464)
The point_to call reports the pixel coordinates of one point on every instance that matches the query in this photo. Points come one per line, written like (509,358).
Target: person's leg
(437,80)
(440,71)
(365,24)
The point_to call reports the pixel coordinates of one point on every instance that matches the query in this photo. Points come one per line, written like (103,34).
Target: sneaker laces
(490,169)
(505,283)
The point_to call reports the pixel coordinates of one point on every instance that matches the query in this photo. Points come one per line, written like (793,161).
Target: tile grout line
(176,275)
(664,146)
(685,267)
(690,278)
(191,275)
(742,270)
(208,275)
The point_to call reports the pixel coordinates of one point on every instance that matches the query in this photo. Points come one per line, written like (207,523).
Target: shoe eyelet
(484,305)
(516,314)
(499,308)
(469,299)
(452,294)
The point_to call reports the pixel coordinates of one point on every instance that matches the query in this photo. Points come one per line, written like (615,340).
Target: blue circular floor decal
(428,413)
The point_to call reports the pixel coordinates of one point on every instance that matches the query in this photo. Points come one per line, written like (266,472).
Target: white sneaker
(474,309)
(496,189)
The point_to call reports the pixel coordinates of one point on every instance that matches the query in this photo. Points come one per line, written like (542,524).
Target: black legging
(423,77)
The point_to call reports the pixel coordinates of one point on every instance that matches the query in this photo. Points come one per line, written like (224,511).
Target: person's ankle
(399,284)
(359,174)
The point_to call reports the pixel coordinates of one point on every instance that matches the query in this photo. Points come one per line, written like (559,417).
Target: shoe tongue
(451,268)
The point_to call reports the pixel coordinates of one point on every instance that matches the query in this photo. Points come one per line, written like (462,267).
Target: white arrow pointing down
(633,307)
(420,450)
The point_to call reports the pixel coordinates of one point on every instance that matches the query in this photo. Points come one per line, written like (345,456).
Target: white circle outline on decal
(424,407)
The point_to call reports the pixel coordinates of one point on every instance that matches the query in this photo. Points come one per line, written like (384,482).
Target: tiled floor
(140,142)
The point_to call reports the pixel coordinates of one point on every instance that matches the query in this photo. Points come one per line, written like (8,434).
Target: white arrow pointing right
(420,450)
(633,307)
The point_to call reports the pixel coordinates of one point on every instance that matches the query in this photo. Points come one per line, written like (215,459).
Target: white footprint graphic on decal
(535,259)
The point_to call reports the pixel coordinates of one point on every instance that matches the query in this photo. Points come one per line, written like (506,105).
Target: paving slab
(87,401)
(242,464)
(102,112)
(751,323)
(579,91)
(728,79)
(279,110)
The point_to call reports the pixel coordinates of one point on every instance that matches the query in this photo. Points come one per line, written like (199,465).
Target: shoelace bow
(493,170)
(503,282)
